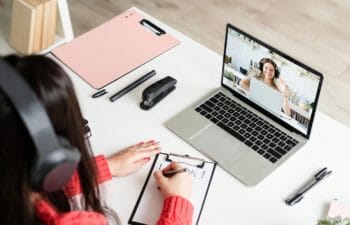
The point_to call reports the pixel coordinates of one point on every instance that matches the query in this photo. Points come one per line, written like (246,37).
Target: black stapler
(156,92)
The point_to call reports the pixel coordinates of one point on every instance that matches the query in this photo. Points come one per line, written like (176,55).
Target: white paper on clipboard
(150,197)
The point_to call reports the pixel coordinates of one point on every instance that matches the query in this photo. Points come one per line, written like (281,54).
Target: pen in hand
(299,195)
(171,173)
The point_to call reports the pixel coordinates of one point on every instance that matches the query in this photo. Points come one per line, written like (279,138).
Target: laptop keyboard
(255,132)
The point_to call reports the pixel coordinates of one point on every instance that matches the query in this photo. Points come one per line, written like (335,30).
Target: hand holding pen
(299,195)
(174,180)
(171,173)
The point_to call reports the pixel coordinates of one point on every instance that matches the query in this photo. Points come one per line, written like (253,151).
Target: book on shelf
(49,23)
(45,23)
(22,26)
(52,23)
(33,25)
(39,11)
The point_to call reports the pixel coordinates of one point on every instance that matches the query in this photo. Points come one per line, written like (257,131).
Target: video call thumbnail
(280,86)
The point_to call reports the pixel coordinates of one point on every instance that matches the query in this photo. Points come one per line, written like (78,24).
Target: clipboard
(150,201)
(115,48)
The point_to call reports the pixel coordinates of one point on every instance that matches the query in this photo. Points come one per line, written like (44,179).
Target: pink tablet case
(113,49)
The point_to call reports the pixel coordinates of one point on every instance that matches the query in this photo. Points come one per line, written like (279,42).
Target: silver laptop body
(222,143)
(265,96)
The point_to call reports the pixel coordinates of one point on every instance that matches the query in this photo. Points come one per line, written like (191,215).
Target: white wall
(305,86)
(242,52)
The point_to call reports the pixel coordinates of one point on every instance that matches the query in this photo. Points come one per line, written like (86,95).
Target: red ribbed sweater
(176,210)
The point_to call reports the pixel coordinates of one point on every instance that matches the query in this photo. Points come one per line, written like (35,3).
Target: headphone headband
(29,108)
(54,164)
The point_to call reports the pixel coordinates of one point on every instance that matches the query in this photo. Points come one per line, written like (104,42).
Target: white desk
(198,70)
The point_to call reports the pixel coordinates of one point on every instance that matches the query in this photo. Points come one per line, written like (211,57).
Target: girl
(22,204)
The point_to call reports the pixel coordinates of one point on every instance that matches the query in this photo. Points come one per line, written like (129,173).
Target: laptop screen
(282,86)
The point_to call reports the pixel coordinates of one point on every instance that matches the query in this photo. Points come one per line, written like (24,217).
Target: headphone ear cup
(53,171)
(54,162)
(261,66)
(63,142)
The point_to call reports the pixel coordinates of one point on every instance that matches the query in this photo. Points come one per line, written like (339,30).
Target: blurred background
(316,32)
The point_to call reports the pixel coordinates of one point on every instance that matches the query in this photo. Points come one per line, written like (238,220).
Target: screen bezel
(256,106)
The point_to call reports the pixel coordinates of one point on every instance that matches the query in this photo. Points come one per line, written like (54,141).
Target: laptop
(265,96)
(243,132)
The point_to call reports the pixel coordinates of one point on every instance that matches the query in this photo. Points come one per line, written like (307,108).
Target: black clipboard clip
(185,159)
(157,91)
(152,27)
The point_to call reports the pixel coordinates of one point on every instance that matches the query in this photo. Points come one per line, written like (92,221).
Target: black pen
(132,85)
(299,195)
(171,173)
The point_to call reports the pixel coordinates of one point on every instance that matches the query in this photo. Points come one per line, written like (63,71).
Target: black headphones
(56,159)
(261,66)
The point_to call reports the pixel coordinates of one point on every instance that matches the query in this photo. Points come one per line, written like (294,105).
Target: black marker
(299,195)
(132,86)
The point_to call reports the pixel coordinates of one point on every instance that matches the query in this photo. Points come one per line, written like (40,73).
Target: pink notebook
(115,48)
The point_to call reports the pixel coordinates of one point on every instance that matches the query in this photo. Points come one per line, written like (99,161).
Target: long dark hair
(55,90)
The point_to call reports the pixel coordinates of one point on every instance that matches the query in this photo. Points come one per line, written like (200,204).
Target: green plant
(228,75)
(334,221)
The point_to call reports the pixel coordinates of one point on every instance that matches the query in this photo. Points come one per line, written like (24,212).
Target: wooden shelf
(64,31)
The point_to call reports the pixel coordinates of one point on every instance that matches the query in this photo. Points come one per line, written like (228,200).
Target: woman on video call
(269,75)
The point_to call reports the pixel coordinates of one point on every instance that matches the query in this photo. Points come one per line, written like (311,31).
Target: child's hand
(129,160)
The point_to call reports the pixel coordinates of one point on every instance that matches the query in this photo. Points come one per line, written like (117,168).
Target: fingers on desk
(144,150)
(146,145)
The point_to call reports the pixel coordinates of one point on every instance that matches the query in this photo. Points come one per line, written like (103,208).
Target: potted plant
(334,221)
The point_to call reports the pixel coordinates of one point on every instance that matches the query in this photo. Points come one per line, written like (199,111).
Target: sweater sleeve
(176,211)
(103,174)
(49,216)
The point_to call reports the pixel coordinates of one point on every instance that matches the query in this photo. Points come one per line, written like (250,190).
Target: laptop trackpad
(219,145)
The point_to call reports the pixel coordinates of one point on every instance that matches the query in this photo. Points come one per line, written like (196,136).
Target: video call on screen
(278,85)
